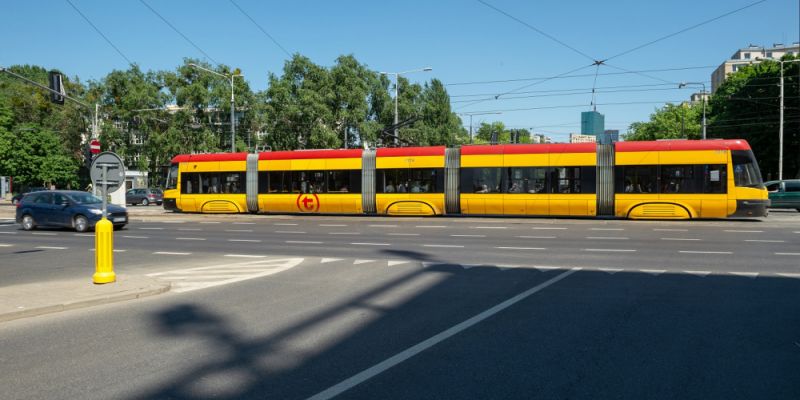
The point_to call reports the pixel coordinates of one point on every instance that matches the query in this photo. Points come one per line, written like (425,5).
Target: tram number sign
(308,202)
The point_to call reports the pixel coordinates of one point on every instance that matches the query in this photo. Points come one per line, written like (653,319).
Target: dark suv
(66,208)
(144,196)
(784,194)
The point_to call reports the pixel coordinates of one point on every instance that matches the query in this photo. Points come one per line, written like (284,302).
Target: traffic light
(56,84)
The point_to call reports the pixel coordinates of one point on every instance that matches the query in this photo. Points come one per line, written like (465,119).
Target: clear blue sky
(464,41)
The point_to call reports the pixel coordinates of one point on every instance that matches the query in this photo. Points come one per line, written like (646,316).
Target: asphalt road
(367,308)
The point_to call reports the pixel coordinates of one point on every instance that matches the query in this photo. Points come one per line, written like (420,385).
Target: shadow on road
(591,335)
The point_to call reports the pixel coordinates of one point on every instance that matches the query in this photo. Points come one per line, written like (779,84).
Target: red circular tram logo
(308,202)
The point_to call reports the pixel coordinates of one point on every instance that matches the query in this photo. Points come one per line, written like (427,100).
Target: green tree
(747,106)
(673,121)
(35,156)
(485,131)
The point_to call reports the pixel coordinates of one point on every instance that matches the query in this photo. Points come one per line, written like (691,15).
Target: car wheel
(81,223)
(145,202)
(27,222)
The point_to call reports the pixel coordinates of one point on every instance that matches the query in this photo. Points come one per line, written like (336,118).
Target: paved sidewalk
(28,300)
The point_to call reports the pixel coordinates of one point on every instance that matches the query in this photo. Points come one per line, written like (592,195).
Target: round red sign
(308,202)
(94,146)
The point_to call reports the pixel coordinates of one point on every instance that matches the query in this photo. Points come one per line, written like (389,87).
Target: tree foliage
(147,117)
(673,121)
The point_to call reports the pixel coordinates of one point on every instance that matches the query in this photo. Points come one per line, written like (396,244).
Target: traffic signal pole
(62,94)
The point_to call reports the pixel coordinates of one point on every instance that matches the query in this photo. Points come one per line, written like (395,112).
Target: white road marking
(610,250)
(686,239)
(670,230)
(796,232)
(370,244)
(5,245)
(284,224)
(383,226)
(653,271)
(742,231)
(85,234)
(189,229)
(244,256)
(344,233)
(611,271)
(302,242)
(9,233)
(489,227)
(548,228)
(356,262)
(134,237)
(171,253)
(607,238)
(404,355)
(430,226)
(751,275)
(392,263)
(210,222)
(332,224)
(520,248)
(699,273)
(765,241)
(238,230)
(189,238)
(402,234)
(789,275)
(44,233)
(244,223)
(152,229)
(327,260)
(203,277)
(477,236)
(443,245)
(119,251)
(173,222)
(787,254)
(606,229)
(52,247)
(704,252)
(536,237)
(300,232)
(245,240)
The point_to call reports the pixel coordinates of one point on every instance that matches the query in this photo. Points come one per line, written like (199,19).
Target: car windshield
(85,198)
(156,191)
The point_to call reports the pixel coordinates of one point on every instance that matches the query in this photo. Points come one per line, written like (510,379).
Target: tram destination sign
(107,170)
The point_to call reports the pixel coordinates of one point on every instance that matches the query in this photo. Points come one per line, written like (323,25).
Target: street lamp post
(396,85)
(682,84)
(233,119)
(470,120)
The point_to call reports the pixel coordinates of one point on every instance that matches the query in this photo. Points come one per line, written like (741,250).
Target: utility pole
(780,132)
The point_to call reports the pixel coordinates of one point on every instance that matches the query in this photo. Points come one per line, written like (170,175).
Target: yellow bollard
(104,252)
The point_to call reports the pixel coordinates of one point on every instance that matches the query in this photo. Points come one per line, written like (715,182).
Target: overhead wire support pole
(64,95)
(233,117)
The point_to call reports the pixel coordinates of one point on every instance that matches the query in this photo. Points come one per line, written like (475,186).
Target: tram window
(263,182)
(527,180)
(678,179)
(639,179)
(566,180)
(233,182)
(588,179)
(481,180)
(344,181)
(279,181)
(410,180)
(190,183)
(715,178)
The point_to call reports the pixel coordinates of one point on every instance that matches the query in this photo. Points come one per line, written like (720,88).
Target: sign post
(108,172)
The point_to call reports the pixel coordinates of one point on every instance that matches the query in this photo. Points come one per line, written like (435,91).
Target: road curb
(90,302)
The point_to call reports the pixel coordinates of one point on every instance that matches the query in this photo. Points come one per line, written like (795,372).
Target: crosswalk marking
(185,280)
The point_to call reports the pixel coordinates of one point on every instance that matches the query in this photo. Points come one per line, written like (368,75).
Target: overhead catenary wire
(683,30)
(85,18)
(261,28)
(563,76)
(178,31)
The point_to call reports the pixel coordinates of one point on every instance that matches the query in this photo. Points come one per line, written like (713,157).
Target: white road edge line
(189,238)
(765,241)
(52,247)
(704,252)
(404,355)
(787,254)
(171,253)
